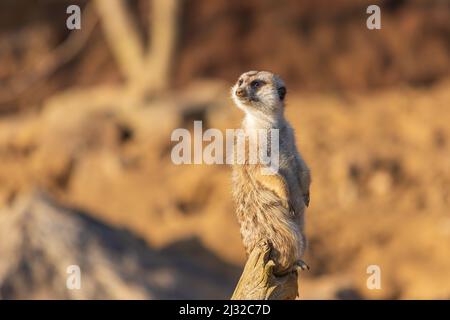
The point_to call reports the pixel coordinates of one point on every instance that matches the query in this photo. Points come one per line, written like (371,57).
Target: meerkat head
(259,93)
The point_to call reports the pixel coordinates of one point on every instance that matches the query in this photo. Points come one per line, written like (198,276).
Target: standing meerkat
(271,207)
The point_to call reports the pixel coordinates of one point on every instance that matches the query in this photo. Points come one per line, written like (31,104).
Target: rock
(40,239)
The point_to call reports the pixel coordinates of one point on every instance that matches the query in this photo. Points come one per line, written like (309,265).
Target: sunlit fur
(271,207)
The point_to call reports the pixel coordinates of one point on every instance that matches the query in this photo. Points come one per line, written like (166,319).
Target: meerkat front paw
(275,183)
(301,265)
(306,199)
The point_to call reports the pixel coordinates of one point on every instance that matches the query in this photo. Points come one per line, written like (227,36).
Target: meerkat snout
(240,92)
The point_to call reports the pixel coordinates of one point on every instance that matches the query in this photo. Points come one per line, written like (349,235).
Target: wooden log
(258,282)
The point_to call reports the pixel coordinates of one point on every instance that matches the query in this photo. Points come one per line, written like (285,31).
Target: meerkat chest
(245,185)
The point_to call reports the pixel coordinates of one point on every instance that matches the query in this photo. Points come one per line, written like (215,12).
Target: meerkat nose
(240,92)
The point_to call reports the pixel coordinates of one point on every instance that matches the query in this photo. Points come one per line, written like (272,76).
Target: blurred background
(86,116)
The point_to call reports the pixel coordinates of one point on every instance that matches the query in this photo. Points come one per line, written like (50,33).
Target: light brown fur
(271,207)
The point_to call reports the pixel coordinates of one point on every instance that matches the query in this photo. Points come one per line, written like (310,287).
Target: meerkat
(271,207)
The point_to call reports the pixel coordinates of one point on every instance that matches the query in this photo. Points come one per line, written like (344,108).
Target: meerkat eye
(240,82)
(255,84)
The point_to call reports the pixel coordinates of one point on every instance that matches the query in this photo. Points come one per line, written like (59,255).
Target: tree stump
(258,282)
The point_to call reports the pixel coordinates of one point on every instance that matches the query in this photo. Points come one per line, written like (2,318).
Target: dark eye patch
(240,81)
(256,84)
(282,93)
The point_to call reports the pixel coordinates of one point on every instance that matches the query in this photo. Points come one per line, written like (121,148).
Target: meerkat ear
(282,93)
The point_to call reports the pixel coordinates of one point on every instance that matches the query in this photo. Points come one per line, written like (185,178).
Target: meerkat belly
(263,216)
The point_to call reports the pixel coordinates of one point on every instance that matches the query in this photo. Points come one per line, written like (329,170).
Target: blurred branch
(149,71)
(258,282)
(163,37)
(122,36)
(64,53)
(145,70)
